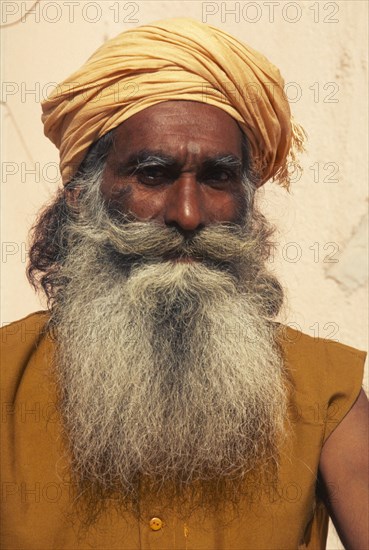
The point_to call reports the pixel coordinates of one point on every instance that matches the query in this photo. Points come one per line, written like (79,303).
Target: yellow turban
(174,59)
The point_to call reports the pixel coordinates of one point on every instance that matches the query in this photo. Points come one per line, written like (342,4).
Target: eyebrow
(223,161)
(146,157)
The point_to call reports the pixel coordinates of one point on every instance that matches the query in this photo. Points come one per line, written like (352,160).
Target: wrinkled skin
(190,192)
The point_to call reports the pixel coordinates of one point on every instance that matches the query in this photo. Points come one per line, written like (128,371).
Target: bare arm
(344,469)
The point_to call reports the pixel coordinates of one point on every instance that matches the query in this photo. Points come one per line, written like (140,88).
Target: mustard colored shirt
(37,502)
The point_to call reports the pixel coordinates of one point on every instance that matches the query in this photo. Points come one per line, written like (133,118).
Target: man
(186,416)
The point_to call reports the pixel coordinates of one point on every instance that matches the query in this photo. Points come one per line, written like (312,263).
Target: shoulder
(18,341)
(22,335)
(295,342)
(37,316)
(321,357)
(325,374)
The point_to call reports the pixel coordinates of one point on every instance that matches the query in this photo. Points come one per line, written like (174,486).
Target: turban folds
(175,59)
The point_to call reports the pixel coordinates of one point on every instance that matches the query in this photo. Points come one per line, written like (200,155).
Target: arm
(344,469)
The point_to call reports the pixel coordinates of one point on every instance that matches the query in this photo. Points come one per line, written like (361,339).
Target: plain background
(321,50)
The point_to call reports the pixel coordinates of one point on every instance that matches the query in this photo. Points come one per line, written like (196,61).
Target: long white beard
(168,371)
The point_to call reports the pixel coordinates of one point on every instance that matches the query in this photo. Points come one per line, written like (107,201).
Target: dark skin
(179,163)
(166,165)
(344,468)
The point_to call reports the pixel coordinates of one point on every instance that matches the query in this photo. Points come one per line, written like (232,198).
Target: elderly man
(186,417)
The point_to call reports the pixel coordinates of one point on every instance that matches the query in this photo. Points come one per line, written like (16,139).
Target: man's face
(178,163)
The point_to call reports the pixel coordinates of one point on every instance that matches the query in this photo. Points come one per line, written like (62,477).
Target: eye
(153,175)
(218,178)
(222,176)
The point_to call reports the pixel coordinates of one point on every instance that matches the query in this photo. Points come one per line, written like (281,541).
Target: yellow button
(156,524)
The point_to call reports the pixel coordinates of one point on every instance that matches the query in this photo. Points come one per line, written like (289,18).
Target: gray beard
(170,378)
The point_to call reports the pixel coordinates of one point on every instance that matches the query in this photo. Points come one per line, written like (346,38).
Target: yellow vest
(36,502)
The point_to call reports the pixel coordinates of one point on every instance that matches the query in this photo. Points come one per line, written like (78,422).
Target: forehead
(180,127)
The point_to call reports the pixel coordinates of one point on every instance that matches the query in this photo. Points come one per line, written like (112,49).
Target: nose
(184,207)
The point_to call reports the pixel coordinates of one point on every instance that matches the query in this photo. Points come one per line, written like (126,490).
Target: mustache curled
(222,242)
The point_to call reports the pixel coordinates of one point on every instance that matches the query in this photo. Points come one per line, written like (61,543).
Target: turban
(175,59)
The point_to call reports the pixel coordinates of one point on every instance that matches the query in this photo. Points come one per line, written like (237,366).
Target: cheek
(143,204)
(226,207)
(124,196)
(240,207)
(116,196)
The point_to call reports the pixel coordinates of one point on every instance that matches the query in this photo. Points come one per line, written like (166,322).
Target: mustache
(136,241)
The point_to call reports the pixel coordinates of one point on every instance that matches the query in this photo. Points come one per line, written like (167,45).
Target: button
(155,524)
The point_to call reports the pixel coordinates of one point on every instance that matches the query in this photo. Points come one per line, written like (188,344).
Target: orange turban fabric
(174,59)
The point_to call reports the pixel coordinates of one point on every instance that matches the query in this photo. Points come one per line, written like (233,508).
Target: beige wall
(320,47)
